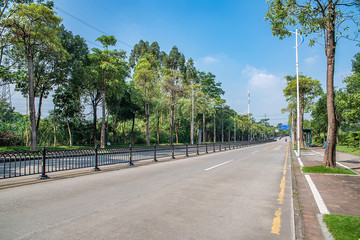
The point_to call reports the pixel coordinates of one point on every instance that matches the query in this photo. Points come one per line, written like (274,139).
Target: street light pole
(192,114)
(297,95)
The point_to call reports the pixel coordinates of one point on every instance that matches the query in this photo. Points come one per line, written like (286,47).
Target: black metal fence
(15,164)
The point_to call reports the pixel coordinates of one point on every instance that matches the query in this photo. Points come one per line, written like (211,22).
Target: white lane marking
(301,163)
(319,201)
(347,168)
(296,153)
(218,165)
(254,151)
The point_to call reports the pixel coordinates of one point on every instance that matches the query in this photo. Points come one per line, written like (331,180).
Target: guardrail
(16,164)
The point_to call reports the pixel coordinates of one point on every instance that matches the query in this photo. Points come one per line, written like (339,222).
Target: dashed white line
(218,165)
(319,201)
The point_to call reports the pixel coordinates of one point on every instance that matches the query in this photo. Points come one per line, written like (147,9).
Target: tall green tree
(31,30)
(112,69)
(173,82)
(309,89)
(324,19)
(145,76)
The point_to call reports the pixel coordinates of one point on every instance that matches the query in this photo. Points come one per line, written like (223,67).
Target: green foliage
(343,227)
(351,150)
(322,169)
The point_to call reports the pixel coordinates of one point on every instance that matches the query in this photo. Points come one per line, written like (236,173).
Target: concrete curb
(324,229)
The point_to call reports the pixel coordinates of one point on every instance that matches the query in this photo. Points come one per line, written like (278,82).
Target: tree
(173,77)
(126,105)
(319,115)
(112,69)
(308,90)
(191,75)
(31,30)
(324,19)
(67,97)
(212,91)
(145,77)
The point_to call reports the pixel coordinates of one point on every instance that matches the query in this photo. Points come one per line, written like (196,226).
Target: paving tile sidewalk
(340,193)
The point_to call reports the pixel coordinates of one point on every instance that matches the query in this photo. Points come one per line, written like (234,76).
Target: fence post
(172,151)
(197,149)
(225,146)
(130,156)
(96,160)
(155,160)
(206,151)
(187,151)
(43,163)
(213,147)
(220,146)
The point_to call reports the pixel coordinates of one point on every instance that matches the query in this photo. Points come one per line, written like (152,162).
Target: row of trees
(40,56)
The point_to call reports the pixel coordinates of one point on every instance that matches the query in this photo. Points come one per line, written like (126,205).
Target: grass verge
(322,169)
(346,149)
(343,227)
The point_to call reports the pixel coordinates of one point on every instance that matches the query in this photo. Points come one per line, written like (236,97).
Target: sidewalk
(340,193)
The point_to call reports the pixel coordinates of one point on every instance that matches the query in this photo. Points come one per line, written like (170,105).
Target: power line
(91,26)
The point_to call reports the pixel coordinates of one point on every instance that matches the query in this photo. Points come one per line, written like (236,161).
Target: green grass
(351,150)
(322,169)
(343,227)
(295,148)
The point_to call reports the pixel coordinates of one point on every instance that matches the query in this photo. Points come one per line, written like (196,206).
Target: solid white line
(217,165)
(347,168)
(319,201)
(301,163)
(296,153)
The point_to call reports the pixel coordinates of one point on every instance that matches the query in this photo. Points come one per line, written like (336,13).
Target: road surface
(239,194)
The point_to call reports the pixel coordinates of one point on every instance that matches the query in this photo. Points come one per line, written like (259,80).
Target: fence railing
(16,164)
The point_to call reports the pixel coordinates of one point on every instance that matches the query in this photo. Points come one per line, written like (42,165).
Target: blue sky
(226,37)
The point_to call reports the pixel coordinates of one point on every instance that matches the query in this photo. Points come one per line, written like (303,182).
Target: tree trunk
(204,135)
(222,128)
(94,122)
(39,111)
(33,140)
(147,113)
(229,137)
(214,127)
(69,130)
(192,116)
(177,133)
(172,112)
(158,128)
(102,134)
(132,131)
(330,151)
(54,124)
(114,123)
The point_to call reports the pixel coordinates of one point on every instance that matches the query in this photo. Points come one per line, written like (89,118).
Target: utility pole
(297,95)
(234,127)
(192,114)
(249,115)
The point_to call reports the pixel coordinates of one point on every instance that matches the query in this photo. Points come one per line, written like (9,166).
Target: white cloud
(209,59)
(260,78)
(312,60)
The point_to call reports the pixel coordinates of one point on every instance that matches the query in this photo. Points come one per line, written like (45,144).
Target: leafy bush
(9,138)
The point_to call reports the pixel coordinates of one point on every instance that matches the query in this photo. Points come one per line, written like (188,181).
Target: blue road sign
(285,127)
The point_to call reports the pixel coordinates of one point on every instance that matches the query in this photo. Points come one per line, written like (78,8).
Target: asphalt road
(238,194)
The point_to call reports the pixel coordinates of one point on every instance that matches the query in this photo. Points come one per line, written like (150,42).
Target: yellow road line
(268,148)
(277,219)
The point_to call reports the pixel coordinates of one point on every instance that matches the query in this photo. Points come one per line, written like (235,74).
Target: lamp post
(297,90)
